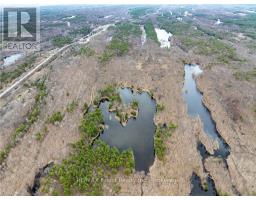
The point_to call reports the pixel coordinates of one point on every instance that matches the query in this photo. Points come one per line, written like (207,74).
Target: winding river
(196,108)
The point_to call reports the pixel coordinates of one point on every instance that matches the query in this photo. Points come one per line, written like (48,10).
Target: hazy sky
(58,2)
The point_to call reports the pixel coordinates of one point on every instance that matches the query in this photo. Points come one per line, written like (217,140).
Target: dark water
(203,152)
(138,134)
(198,190)
(195,107)
(44,171)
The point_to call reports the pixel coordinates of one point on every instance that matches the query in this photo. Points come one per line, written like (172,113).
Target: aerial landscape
(132,100)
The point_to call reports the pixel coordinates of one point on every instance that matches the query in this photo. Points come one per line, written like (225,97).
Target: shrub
(91,125)
(135,105)
(72,106)
(84,170)
(86,50)
(159,139)
(110,92)
(60,41)
(56,117)
(159,145)
(39,136)
(205,186)
(42,134)
(3,155)
(41,94)
(105,57)
(159,108)
(19,132)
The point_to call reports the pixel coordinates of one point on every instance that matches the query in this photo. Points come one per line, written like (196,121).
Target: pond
(163,37)
(9,60)
(137,134)
(198,190)
(143,35)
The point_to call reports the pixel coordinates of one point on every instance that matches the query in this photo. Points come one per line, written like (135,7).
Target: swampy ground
(41,118)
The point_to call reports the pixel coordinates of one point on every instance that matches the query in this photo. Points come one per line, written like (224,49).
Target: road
(83,40)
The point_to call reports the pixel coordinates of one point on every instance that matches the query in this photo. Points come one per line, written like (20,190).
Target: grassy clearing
(60,41)
(22,129)
(7,77)
(162,133)
(150,31)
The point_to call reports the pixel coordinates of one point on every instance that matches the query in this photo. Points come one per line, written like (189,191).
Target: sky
(65,2)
